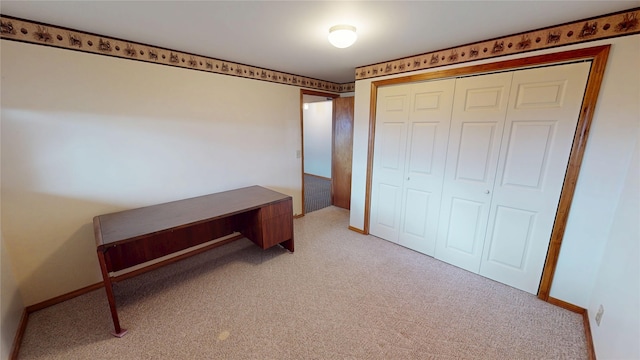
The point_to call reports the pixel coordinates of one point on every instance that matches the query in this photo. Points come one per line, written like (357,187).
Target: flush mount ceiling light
(342,36)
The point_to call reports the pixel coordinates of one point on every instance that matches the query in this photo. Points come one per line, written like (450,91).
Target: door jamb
(598,56)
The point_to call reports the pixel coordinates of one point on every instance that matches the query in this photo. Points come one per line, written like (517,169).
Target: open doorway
(316,123)
(334,134)
(316,132)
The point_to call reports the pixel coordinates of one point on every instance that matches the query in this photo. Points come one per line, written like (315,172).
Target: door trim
(304,92)
(597,56)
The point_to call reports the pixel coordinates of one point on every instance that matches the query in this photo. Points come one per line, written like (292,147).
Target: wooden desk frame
(132,237)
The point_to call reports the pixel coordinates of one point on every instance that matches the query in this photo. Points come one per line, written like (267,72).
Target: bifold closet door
(412,130)
(479,110)
(428,135)
(392,116)
(541,120)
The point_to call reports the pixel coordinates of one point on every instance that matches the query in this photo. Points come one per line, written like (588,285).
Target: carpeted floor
(317,193)
(341,295)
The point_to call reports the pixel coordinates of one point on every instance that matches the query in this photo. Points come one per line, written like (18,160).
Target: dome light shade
(342,36)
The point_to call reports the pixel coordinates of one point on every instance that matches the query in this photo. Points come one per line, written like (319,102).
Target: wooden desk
(132,237)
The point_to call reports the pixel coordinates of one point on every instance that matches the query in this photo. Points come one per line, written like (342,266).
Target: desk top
(125,225)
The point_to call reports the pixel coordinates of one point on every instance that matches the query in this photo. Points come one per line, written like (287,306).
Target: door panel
(464,238)
(511,234)
(428,134)
(479,110)
(475,152)
(483,98)
(389,161)
(540,125)
(540,94)
(416,204)
(389,195)
(527,153)
(392,142)
(342,151)
(421,150)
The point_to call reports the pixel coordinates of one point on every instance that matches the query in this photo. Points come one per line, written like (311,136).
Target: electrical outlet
(599,314)
(298,154)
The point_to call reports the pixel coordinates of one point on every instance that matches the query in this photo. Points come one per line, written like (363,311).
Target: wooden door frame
(597,56)
(304,92)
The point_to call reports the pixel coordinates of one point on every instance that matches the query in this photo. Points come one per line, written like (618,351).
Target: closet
(470,170)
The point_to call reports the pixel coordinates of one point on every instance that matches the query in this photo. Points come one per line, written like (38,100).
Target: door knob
(487,191)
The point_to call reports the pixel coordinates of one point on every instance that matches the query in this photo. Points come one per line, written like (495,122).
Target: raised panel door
(543,111)
(389,161)
(428,134)
(479,110)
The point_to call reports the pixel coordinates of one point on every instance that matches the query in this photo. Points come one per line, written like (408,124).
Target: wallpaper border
(12,28)
(597,28)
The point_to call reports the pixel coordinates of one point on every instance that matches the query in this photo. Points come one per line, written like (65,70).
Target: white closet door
(428,134)
(541,120)
(392,116)
(479,110)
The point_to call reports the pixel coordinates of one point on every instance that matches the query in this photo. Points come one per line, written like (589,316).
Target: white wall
(317,138)
(10,302)
(602,175)
(84,135)
(11,305)
(605,164)
(617,285)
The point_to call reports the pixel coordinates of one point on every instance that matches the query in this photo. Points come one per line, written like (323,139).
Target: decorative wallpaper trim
(12,28)
(597,28)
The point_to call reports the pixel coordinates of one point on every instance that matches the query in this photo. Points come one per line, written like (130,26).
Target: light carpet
(341,295)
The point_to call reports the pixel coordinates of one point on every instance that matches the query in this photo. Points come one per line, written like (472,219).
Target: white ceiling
(290,36)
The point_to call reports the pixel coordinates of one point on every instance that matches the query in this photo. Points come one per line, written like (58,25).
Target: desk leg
(118,332)
(287,245)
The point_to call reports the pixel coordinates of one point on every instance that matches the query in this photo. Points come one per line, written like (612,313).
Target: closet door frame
(598,57)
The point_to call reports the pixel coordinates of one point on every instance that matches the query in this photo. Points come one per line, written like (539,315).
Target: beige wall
(84,135)
(10,302)
(11,305)
(617,286)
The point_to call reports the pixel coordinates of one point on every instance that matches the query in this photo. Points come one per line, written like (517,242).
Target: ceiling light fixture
(342,36)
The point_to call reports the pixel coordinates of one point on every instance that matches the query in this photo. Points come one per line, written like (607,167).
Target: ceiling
(291,36)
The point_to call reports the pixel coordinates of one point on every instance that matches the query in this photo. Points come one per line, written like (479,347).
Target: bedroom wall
(11,305)
(605,165)
(84,135)
(617,285)
(317,138)
(10,302)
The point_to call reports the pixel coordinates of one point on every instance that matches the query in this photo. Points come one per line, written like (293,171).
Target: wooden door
(543,111)
(479,110)
(342,151)
(428,134)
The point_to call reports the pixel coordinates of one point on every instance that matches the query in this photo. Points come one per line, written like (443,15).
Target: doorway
(323,183)
(316,132)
